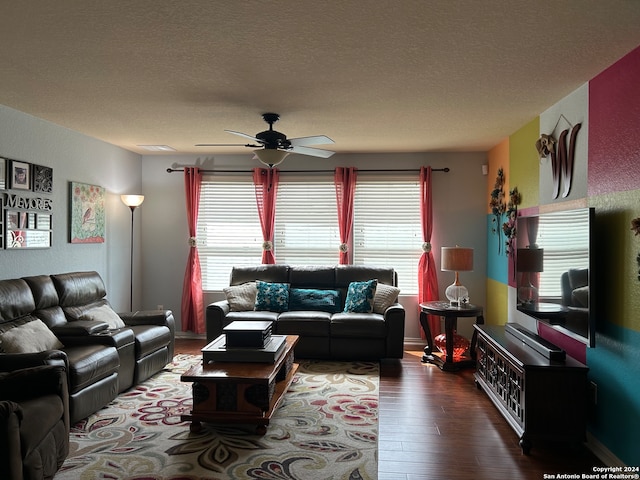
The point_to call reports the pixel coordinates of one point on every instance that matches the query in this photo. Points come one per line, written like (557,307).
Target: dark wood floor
(438,425)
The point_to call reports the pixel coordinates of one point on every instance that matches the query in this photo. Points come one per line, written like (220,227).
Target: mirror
(554,269)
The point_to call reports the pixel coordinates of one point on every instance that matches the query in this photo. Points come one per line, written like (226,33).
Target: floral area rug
(326,428)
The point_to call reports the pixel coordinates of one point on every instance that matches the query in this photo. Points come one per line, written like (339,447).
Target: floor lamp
(133,202)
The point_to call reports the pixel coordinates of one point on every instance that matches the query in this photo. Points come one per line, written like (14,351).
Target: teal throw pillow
(315,300)
(360,296)
(273,297)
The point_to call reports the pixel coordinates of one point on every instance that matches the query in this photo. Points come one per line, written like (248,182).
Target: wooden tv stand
(541,398)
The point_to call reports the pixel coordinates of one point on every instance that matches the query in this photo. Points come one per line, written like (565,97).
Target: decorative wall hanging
(3,173)
(26,218)
(562,160)
(42,179)
(635,227)
(509,226)
(87,222)
(20,175)
(498,206)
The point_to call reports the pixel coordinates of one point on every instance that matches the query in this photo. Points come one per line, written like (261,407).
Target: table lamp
(456,259)
(528,260)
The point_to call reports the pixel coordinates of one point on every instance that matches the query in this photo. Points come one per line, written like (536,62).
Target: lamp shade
(271,156)
(132,200)
(530,260)
(456,259)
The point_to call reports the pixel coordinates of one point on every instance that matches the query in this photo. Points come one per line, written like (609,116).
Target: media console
(540,392)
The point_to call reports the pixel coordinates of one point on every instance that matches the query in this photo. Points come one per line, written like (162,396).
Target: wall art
(42,179)
(87,214)
(3,173)
(20,175)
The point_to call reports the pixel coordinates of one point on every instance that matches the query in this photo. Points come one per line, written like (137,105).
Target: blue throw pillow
(273,297)
(314,300)
(360,296)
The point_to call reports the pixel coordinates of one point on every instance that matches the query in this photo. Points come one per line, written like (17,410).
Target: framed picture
(20,175)
(42,179)
(3,173)
(87,215)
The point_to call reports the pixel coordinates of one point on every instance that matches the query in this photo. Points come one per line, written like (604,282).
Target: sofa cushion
(17,299)
(304,323)
(79,288)
(103,313)
(358,325)
(30,337)
(360,296)
(273,297)
(241,297)
(306,276)
(149,338)
(385,296)
(314,299)
(266,273)
(90,363)
(251,315)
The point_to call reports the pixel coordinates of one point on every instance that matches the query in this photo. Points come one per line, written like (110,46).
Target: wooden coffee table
(240,392)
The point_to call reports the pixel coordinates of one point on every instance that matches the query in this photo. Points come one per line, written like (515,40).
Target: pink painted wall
(614,132)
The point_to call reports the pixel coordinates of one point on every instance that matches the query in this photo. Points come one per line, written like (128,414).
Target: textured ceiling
(405,75)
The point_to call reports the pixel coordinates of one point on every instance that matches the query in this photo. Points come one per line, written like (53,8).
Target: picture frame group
(19,175)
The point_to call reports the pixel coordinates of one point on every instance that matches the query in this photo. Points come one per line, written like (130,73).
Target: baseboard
(602,452)
(412,343)
(190,336)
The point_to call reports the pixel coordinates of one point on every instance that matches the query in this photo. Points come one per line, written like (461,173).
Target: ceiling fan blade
(313,140)
(314,152)
(250,137)
(227,145)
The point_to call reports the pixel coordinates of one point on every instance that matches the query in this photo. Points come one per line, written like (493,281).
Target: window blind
(387,228)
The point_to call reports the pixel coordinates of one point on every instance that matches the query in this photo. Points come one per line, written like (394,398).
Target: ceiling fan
(272,146)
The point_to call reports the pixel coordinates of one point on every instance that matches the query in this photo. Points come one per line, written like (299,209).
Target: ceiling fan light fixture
(271,156)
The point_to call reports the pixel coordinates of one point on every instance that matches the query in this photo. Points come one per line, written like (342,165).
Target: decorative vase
(460,344)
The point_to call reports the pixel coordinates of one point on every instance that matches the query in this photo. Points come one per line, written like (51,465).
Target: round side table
(450,313)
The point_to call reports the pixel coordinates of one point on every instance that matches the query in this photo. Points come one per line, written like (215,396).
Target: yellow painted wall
(498,157)
(496,310)
(525,164)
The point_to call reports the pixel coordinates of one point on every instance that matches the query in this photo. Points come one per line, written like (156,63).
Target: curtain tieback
(344,248)
(193,242)
(267,245)
(426,247)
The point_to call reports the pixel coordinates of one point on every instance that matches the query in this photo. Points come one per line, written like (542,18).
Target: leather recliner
(34,422)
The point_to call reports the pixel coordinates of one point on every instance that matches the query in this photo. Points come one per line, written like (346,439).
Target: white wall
(73,157)
(459,203)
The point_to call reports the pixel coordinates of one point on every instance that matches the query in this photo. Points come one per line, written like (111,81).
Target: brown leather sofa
(323,334)
(34,422)
(101,361)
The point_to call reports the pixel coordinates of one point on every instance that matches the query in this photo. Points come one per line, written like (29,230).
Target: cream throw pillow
(385,296)
(241,297)
(104,313)
(31,337)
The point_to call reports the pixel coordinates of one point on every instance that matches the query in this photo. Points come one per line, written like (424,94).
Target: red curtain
(265,181)
(345,182)
(427,275)
(192,310)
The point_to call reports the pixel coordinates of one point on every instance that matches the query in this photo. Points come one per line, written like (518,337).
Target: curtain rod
(181,169)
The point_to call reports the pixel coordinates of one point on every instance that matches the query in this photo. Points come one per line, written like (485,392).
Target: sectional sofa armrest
(149,317)
(215,319)
(394,317)
(110,338)
(34,382)
(15,361)
(11,452)
(79,328)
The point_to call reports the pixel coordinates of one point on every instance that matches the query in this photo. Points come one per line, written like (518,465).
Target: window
(387,229)
(306,229)
(229,232)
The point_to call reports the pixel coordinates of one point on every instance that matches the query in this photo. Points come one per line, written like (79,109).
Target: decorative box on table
(255,334)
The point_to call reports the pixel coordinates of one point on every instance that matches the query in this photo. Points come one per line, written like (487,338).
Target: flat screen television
(554,270)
